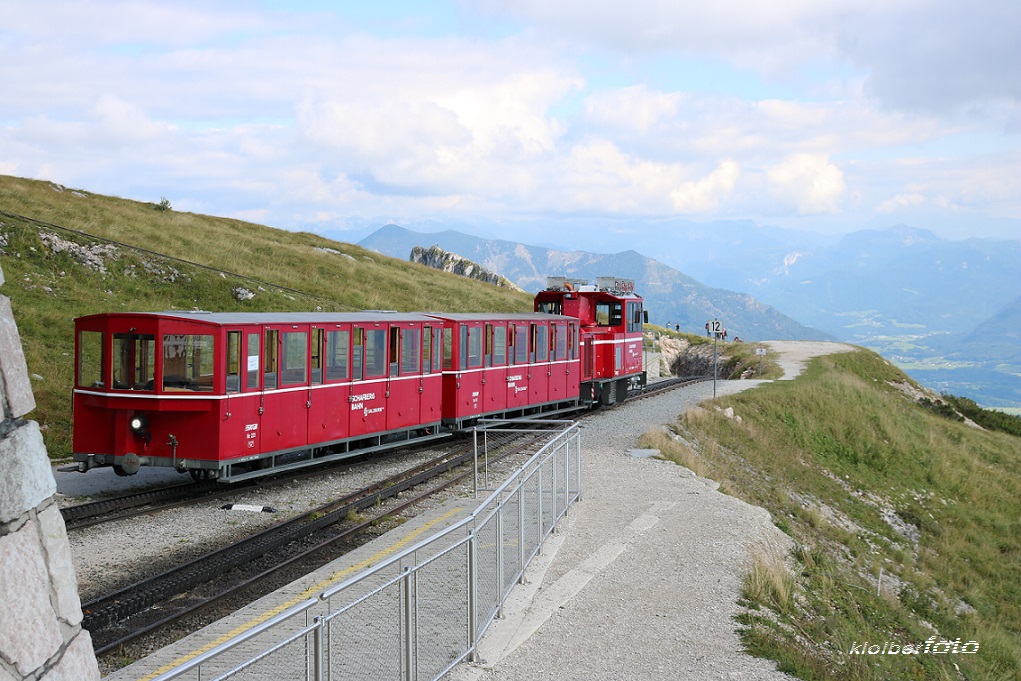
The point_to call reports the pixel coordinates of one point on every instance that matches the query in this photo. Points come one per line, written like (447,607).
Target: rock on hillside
(439,259)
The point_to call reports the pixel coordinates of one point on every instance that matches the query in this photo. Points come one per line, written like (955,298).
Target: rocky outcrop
(41,637)
(439,259)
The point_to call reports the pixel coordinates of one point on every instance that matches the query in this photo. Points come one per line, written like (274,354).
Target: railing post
(473,594)
(521,532)
(475,466)
(538,510)
(409,625)
(317,649)
(499,560)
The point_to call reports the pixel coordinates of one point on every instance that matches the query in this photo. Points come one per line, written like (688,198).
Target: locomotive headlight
(139,425)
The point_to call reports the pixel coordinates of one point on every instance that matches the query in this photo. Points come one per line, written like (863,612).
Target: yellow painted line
(321,586)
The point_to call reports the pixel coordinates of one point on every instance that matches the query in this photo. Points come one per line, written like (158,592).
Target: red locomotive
(233,395)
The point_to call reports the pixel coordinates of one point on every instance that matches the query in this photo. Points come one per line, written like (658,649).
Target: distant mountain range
(671,297)
(946,311)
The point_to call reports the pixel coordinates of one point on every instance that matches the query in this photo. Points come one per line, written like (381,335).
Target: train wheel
(119,470)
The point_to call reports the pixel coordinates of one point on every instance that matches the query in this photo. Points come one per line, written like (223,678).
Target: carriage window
(317,356)
(134,361)
(252,365)
(471,347)
(188,362)
(427,350)
(375,353)
(500,345)
(410,350)
(90,359)
(559,342)
(520,335)
(358,356)
(269,358)
(233,361)
(541,343)
(336,354)
(295,358)
(609,314)
(448,348)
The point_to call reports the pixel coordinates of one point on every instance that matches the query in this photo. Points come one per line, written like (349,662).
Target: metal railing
(416,615)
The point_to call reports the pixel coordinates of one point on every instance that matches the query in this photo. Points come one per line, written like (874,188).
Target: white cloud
(809,182)
(705,195)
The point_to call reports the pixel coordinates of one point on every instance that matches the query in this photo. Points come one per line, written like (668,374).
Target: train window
(471,347)
(550,307)
(609,314)
(317,356)
(437,356)
(188,362)
(448,348)
(427,350)
(559,342)
(572,342)
(395,350)
(520,344)
(252,366)
(336,354)
(410,350)
(541,343)
(295,358)
(358,356)
(500,345)
(233,361)
(269,358)
(375,353)
(90,359)
(134,361)
(634,317)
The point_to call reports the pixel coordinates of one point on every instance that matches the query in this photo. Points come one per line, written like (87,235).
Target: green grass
(50,288)
(864,479)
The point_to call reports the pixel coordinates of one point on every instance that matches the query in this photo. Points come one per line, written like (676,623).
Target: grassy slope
(864,479)
(49,289)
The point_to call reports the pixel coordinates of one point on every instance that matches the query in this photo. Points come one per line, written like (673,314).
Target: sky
(316,115)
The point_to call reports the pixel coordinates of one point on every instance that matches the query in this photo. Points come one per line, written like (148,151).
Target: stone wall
(41,638)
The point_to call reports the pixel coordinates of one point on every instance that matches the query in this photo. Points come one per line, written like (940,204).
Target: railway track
(117,619)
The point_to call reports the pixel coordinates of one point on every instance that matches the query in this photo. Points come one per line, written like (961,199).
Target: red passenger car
(611,317)
(227,394)
(508,365)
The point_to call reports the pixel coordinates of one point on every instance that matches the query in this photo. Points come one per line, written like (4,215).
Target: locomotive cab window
(550,307)
(188,362)
(609,314)
(134,361)
(634,317)
(90,359)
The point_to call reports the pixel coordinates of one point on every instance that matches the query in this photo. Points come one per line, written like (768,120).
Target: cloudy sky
(301,114)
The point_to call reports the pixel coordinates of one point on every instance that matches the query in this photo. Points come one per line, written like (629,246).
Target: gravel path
(644,581)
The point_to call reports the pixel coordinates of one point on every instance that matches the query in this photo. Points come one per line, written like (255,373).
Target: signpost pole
(715,327)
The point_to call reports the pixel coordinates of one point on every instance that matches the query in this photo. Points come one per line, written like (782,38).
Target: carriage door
(559,366)
(404,382)
(539,385)
(369,371)
(285,354)
(240,435)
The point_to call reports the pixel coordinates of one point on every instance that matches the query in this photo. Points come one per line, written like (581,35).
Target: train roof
(222,318)
(230,318)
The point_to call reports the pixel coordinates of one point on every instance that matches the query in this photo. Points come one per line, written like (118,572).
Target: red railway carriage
(227,394)
(611,317)
(508,365)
